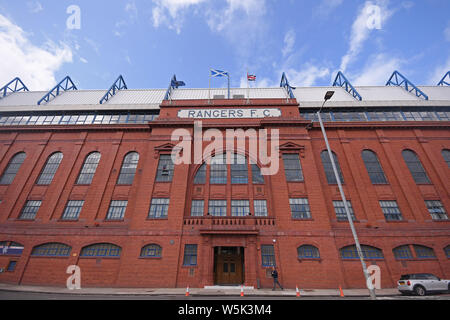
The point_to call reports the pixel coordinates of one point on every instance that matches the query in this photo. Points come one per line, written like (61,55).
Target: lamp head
(328,95)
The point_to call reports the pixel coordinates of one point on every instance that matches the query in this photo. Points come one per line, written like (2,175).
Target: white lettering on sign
(229,113)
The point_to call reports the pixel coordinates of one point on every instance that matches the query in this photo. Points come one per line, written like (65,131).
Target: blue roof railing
(285,84)
(341,81)
(397,79)
(15,85)
(118,85)
(174,84)
(445,80)
(64,85)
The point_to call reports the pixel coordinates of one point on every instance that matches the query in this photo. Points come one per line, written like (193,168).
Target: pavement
(207,291)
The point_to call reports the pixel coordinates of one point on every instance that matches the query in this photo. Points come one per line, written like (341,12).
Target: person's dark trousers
(275,282)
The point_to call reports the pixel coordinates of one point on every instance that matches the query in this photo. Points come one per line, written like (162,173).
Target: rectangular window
(30,209)
(240,208)
(292,167)
(197,208)
(391,211)
(159,209)
(218,208)
(267,255)
(260,208)
(117,210)
(300,208)
(165,168)
(190,255)
(341,214)
(436,210)
(72,210)
(11,266)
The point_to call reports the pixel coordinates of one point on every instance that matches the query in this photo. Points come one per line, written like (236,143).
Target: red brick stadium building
(87,179)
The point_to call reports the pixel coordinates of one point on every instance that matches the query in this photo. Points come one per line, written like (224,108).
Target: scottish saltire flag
(219,73)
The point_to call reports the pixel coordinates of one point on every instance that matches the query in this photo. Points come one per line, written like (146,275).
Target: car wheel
(420,291)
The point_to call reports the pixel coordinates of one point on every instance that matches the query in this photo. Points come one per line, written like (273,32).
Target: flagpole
(248,90)
(228,85)
(209,91)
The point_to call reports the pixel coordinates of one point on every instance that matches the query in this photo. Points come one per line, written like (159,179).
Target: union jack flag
(251,77)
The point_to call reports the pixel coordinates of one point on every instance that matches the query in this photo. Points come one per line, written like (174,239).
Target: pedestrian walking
(275,279)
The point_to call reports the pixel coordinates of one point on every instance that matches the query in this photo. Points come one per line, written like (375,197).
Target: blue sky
(147,41)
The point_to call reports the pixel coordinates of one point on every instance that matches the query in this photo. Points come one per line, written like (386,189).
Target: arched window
(368,252)
(89,167)
(219,172)
(257,177)
(100,250)
(13,167)
(415,167)
(151,251)
(446,155)
(447,251)
(328,168)
(292,167)
(308,252)
(128,169)
(239,170)
(373,167)
(423,252)
(402,252)
(200,176)
(50,169)
(11,248)
(165,168)
(51,250)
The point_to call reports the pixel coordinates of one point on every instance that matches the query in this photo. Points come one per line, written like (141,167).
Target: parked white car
(422,283)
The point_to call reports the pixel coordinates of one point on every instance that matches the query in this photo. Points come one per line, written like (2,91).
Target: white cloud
(119,28)
(361,31)
(83,60)
(377,71)
(93,44)
(408,4)
(132,10)
(171,12)
(438,73)
(447,32)
(307,76)
(326,7)
(36,66)
(34,6)
(244,26)
(289,42)
(237,12)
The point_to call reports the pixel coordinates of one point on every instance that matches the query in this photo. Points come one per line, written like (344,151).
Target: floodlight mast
(327,97)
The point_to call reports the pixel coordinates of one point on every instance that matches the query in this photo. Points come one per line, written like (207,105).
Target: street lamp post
(327,97)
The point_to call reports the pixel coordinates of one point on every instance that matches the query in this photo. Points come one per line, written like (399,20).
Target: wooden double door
(228,265)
